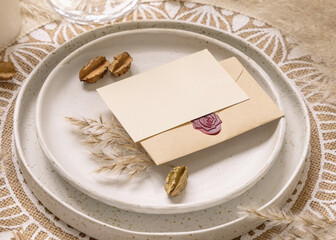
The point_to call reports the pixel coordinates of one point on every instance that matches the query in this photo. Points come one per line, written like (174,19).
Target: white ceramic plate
(105,222)
(229,168)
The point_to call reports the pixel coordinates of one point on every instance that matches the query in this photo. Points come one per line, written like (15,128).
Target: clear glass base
(83,11)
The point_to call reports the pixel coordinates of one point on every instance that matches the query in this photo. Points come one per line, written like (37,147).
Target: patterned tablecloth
(316,193)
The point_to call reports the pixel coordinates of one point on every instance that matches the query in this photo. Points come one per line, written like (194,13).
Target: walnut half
(176,180)
(121,64)
(7,70)
(94,70)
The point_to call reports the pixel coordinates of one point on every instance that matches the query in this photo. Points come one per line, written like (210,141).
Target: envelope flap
(233,67)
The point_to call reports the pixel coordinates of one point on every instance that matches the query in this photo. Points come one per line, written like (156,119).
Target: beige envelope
(237,119)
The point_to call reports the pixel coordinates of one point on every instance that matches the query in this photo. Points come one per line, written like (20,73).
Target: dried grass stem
(298,226)
(110,144)
(312,25)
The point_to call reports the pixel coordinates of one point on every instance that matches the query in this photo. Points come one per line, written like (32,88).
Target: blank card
(172,94)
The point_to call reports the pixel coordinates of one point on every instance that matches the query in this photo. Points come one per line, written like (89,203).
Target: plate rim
(174,25)
(159,208)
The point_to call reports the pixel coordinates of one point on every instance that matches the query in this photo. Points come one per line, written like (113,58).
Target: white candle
(10,21)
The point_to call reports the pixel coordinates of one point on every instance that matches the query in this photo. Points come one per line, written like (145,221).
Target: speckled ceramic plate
(230,167)
(105,222)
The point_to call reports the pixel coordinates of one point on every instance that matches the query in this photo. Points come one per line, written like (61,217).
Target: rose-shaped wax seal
(209,124)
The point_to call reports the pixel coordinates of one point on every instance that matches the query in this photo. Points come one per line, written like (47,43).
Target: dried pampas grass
(312,24)
(302,226)
(112,146)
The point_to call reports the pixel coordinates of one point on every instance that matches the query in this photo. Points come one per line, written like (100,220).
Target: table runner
(315,193)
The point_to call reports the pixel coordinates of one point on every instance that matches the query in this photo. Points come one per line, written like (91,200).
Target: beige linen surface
(33,12)
(316,193)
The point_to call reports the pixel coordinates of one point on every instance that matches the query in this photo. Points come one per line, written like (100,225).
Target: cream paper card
(237,119)
(172,94)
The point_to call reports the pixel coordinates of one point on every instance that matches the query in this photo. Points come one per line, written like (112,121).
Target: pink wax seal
(208,124)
